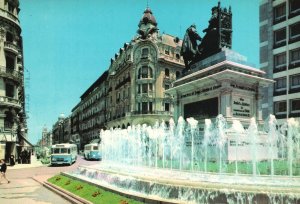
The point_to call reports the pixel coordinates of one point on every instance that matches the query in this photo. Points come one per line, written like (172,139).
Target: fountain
(185,163)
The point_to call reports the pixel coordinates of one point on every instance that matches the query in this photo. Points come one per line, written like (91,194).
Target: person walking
(3,170)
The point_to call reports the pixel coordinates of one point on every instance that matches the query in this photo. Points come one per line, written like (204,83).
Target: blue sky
(68,43)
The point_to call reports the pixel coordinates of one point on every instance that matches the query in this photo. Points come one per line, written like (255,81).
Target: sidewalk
(34,163)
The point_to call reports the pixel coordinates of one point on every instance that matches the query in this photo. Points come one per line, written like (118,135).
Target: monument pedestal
(224,83)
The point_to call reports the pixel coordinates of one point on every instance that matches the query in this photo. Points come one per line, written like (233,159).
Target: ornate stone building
(280,56)
(12,102)
(140,73)
(132,90)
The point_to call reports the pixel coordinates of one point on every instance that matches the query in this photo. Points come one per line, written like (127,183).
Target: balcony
(4,100)
(149,113)
(11,74)
(11,47)
(9,15)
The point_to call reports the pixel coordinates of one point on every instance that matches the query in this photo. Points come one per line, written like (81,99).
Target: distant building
(13,126)
(46,140)
(280,56)
(88,117)
(61,130)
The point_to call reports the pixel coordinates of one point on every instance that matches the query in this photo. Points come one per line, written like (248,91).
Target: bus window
(55,151)
(95,147)
(63,150)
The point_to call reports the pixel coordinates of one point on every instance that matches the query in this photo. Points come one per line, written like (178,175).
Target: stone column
(259,98)
(225,100)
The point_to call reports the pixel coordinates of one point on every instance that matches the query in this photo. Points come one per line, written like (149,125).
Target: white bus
(92,151)
(63,154)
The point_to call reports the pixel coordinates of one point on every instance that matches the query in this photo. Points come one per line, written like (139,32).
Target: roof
(171,40)
(148,17)
(100,80)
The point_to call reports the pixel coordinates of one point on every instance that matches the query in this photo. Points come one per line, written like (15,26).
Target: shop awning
(22,137)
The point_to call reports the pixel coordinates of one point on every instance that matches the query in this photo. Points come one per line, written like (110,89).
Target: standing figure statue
(189,49)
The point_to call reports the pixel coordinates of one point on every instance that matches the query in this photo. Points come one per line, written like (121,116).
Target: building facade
(91,111)
(280,56)
(13,127)
(61,130)
(132,90)
(46,140)
(140,73)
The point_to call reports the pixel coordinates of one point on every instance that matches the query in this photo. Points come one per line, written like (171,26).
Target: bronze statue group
(218,35)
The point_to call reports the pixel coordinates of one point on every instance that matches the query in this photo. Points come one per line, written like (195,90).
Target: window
(144,107)
(9,37)
(295,81)
(177,74)
(295,56)
(145,52)
(280,84)
(167,106)
(8,120)
(145,72)
(280,37)
(10,62)
(144,88)
(167,52)
(177,56)
(295,105)
(9,90)
(167,86)
(279,13)
(10,8)
(280,107)
(150,87)
(167,72)
(294,6)
(295,31)
(279,62)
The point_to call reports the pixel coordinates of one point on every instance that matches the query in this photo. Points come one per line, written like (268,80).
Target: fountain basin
(174,186)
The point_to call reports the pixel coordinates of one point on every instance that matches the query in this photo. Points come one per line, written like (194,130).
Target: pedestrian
(3,170)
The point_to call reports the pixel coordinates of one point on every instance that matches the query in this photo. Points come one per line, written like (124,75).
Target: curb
(63,193)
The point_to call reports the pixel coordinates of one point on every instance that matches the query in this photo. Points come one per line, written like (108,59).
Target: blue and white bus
(92,151)
(63,154)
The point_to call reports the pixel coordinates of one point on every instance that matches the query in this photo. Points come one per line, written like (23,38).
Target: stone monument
(218,80)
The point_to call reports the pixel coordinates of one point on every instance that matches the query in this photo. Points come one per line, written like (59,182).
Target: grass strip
(89,192)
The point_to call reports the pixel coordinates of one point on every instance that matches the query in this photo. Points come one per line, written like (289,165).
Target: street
(25,186)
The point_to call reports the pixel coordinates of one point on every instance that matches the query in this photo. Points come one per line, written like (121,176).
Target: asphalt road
(25,186)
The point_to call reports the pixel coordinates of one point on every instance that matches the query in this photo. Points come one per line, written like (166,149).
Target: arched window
(167,72)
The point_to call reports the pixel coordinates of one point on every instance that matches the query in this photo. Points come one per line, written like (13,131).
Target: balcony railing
(9,15)
(11,46)
(10,73)
(150,113)
(9,101)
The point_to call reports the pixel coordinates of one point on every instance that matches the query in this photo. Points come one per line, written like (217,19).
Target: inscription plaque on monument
(241,107)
